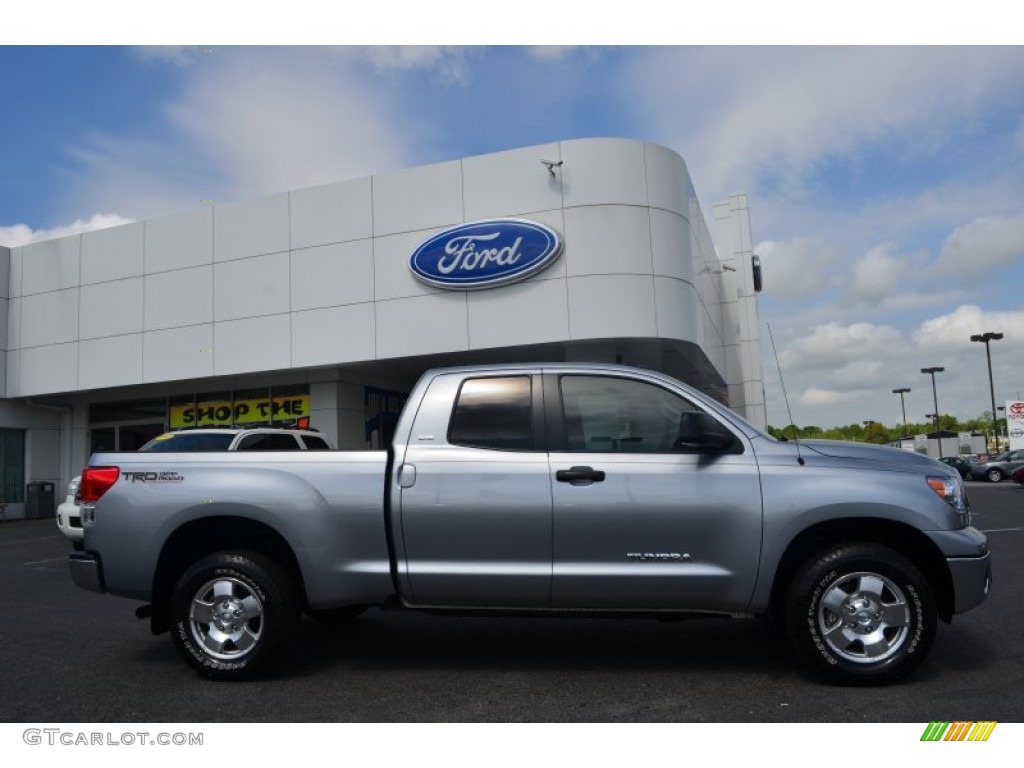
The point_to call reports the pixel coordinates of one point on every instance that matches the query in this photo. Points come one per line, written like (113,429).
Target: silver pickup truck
(555,489)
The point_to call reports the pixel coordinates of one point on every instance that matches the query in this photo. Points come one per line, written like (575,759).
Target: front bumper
(69,520)
(87,571)
(972,579)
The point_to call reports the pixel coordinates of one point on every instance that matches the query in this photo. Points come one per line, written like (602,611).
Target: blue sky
(885,183)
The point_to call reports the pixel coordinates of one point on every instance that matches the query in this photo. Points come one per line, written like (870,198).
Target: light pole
(985,338)
(1003,409)
(935,395)
(903,406)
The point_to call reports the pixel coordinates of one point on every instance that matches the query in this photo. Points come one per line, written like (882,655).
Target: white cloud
(22,234)
(250,122)
(450,63)
(550,52)
(288,123)
(784,110)
(816,397)
(178,55)
(956,328)
(834,345)
(977,250)
(796,269)
(880,273)
(858,373)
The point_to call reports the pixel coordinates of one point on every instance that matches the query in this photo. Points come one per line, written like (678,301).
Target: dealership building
(324,304)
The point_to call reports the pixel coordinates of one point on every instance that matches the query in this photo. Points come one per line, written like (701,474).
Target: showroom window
(258,407)
(12,466)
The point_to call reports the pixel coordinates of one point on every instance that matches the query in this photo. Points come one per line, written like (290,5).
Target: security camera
(551,165)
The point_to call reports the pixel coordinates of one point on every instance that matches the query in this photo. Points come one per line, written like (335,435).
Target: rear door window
(494,412)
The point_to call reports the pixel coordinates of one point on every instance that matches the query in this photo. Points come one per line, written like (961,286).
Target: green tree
(876,433)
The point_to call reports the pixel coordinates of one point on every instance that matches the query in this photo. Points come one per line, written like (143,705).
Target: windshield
(181,442)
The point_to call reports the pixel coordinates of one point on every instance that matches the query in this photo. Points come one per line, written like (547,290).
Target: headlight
(951,490)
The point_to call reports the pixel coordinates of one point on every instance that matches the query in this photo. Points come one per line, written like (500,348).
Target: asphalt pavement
(68,655)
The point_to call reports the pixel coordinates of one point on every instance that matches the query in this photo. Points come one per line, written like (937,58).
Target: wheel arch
(902,538)
(198,538)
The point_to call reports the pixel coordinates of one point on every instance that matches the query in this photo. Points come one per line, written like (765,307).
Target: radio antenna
(785,397)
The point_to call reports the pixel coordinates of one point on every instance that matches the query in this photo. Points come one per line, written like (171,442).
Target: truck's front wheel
(861,614)
(231,613)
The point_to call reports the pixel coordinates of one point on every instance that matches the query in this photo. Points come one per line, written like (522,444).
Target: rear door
(475,495)
(641,520)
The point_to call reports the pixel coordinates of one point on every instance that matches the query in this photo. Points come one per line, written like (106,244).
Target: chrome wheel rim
(864,617)
(226,618)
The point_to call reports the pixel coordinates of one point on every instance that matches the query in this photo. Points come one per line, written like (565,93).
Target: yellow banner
(226,412)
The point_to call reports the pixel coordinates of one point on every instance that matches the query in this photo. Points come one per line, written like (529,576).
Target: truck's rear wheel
(232,613)
(860,614)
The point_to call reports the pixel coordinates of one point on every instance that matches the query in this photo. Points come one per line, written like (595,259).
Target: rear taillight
(96,481)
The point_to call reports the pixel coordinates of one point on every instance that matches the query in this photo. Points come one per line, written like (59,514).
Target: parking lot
(73,656)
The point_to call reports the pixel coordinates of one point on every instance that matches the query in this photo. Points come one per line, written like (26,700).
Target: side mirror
(701,433)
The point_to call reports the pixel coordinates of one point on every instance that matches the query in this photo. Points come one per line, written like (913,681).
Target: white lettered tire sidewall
(256,583)
(902,592)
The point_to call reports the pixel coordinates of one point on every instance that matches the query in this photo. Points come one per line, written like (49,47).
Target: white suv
(260,439)
(69,514)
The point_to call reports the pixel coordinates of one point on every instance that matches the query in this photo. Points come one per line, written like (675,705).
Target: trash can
(39,501)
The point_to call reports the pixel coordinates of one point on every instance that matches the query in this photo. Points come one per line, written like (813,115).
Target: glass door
(123,437)
(131,437)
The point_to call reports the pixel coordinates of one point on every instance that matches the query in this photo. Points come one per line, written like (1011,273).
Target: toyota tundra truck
(552,489)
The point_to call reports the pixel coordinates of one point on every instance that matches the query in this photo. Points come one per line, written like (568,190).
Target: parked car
(998,467)
(1018,476)
(962,464)
(69,514)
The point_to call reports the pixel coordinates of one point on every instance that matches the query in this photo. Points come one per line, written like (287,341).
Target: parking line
(48,560)
(1000,530)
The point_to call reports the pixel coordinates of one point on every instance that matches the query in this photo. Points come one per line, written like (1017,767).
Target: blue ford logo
(484,254)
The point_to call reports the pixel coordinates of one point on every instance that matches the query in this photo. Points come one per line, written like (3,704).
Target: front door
(640,519)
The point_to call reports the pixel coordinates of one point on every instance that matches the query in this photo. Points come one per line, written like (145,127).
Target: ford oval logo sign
(485,254)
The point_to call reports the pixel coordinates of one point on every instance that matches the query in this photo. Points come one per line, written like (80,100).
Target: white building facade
(303,305)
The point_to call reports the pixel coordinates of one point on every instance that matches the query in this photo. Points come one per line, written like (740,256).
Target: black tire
(240,633)
(860,614)
(994,475)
